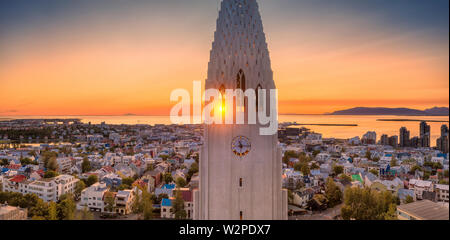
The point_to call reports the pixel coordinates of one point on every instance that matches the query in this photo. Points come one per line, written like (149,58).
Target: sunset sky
(111,57)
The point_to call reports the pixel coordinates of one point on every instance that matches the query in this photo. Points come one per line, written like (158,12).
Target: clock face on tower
(240,146)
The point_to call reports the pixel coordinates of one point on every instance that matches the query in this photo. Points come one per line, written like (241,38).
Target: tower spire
(239,45)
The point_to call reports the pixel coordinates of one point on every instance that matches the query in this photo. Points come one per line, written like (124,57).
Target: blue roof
(168,186)
(166,202)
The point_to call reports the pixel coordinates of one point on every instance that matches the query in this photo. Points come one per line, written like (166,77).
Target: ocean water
(365,123)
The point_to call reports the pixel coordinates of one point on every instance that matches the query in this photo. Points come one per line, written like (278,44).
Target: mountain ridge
(435,111)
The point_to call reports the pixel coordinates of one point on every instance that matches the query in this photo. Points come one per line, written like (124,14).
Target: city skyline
(85,58)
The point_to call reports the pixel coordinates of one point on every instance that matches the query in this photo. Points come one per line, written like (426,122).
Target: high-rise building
(404,137)
(424,134)
(240,170)
(415,142)
(393,141)
(369,138)
(444,130)
(384,140)
(442,142)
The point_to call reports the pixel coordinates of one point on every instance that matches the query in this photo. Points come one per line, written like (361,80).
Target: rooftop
(426,210)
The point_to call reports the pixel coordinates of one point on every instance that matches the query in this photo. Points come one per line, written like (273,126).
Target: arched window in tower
(257,96)
(240,81)
(222,107)
(240,84)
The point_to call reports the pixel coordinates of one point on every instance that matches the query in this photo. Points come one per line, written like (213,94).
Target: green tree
(52,164)
(346,178)
(288,155)
(315,152)
(128,181)
(181,182)
(332,193)
(52,211)
(409,199)
(290,196)
(178,206)
(136,207)
(85,165)
(414,169)
(192,170)
(315,166)
(167,178)
(4,162)
(161,197)
(79,187)
(393,162)
(91,180)
(365,204)
(337,169)
(368,155)
(110,201)
(67,208)
(84,214)
(374,172)
(147,206)
(39,208)
(50,174)
(26,161)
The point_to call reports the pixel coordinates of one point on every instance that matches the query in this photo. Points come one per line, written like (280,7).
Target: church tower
(240,170)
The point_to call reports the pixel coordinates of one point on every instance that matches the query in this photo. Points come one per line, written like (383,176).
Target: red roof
(14,166)
(18,178)
(40,172)
(108,168)
(186,194)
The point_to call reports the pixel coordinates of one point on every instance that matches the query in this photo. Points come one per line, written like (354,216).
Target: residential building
(404,137)
(92,197)
(422,210)
(442,192)
(420,186)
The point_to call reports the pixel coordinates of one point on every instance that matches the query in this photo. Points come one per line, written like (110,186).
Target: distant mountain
(436,111)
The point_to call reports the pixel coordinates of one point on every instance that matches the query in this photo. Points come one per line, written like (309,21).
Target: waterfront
(364,123)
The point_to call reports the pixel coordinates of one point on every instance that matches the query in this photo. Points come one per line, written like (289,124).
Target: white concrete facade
(240,187)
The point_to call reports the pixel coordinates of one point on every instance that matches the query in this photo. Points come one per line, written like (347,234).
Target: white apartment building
(419,186)
(92,197)
(64,164)
(46,189)
(442,192)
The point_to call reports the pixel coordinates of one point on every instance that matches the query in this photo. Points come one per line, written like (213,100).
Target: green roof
(357,178)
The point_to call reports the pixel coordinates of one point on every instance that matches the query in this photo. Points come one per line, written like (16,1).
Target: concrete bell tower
(240,170)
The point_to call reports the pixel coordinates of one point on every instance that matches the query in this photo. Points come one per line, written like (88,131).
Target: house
(165,189)
(403,193)
(92,197)
(302,197)
(46,189)
(442,192)
(369,178)
(166,206)
(112,180)
(387,185)
(419,186)
(124,200)
(64,164)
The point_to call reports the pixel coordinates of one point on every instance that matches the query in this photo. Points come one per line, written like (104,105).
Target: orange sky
(87,66)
